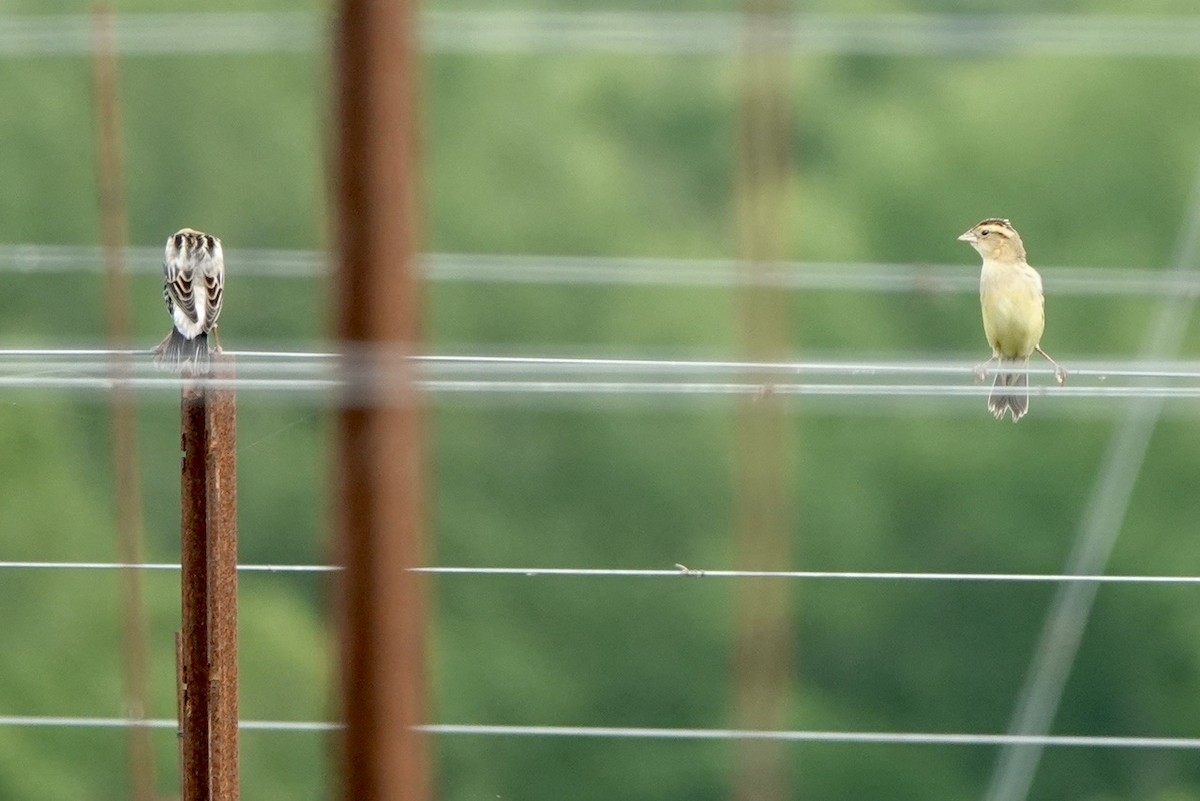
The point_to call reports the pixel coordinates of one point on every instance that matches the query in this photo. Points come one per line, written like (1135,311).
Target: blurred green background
(584,154)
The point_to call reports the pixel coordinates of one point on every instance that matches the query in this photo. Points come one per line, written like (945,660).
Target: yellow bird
(1014,314)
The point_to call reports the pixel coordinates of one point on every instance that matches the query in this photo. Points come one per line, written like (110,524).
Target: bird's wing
(214,287)
(1034,278)
(177,287)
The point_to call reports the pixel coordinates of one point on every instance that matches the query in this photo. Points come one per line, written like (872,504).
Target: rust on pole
(379,490)
(207,644)
(764,460)
(127,489)
(194,766)
(221,478)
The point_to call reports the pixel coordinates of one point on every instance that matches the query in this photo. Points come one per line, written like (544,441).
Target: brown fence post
(110,183)
(221,473)
(764,458)
(208,684)
(194,765)
(379,492)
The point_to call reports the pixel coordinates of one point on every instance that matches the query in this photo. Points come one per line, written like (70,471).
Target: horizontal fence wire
(158,566)
(860,575)
(682,33)
(853,737)
(888,277)
(364,376)
(612,732)
(49,721)
(679,571)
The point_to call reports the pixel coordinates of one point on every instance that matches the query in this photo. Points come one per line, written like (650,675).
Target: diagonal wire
(1062,632)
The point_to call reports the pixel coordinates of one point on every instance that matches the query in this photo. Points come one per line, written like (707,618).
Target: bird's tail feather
(180,354)
(1010,392)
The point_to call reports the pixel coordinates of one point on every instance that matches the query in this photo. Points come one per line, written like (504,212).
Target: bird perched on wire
(1014,314)
(193,286)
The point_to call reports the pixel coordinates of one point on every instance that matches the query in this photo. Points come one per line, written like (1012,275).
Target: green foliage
(618,155)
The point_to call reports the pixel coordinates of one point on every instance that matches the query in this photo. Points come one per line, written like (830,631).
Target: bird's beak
(969,236)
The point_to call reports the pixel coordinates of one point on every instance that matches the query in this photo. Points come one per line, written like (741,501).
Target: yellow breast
(1013,310)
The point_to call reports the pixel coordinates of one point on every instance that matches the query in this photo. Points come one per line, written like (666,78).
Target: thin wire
(570,382)
(274,371)
(592,389)
(680,571)
(1054,656)
(34,359)
(252,262)
(862,737)
(157,34)
(160,566)
(686,572)
(683,33)
(1176,370)
(606,732)
(859,34)
(44,721)
(780,389)
(909,277)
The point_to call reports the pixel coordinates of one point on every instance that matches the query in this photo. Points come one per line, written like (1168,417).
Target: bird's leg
(217,341)
(981,369)
(1060,374)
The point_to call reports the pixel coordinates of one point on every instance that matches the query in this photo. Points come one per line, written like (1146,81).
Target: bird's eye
(984,233)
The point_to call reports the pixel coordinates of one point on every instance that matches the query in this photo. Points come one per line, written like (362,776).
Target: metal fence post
(379,492)
(208,699)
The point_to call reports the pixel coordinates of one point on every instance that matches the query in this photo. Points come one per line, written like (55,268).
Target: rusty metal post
(764,462)
(379,491)
(127,487)
(194,768)
(207,654)
(220,430)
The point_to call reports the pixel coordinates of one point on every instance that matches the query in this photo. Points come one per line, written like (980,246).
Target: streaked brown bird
(193,287)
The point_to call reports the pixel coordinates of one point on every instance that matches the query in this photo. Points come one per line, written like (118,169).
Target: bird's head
(996,240)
